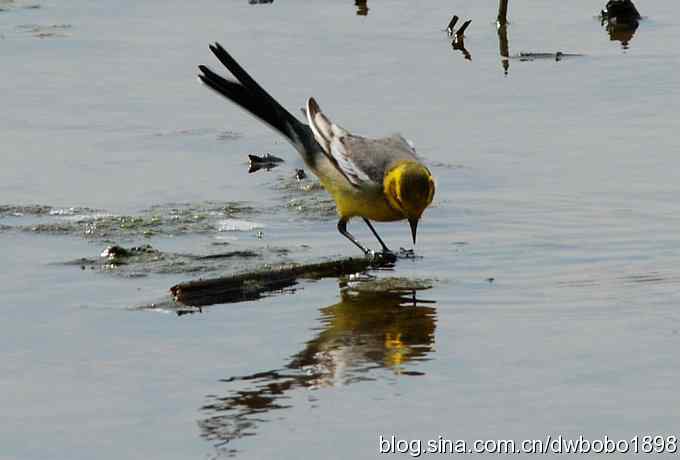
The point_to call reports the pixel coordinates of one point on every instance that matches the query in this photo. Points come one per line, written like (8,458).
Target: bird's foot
(408,254)
(382,257)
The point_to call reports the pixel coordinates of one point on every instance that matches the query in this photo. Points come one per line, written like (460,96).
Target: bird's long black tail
(249,95)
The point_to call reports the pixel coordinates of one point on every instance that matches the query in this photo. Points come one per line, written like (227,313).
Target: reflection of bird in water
(364,332)
(367,330)
(621,19)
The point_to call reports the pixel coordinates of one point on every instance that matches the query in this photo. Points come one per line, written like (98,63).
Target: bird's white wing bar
(339,152)
(321,126)
(330,137)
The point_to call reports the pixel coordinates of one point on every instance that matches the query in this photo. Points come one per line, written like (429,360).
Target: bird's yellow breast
(364,201)
(369,204)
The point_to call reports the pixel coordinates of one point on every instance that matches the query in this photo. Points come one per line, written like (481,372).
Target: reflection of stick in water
(503,48)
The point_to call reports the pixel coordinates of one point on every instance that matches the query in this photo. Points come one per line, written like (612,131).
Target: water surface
(552,245)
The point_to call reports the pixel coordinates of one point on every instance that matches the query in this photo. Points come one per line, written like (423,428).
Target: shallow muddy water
(548,261)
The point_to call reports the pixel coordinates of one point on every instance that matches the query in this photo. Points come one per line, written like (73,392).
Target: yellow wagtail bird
(375,179)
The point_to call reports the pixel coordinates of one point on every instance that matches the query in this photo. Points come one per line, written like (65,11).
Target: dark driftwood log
(256,284)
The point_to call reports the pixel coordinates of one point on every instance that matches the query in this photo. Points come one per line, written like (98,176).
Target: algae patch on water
(9,210)
(388,284)
(306,197)
(167,220)
(45,30)
(10,5)
(140,261)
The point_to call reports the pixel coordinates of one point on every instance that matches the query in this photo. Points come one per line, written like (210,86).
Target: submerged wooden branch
(256,284)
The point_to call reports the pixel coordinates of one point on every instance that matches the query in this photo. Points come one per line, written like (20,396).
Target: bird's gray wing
(362,161)
(374,157)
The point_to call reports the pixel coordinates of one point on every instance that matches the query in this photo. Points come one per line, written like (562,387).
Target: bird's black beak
(414,228)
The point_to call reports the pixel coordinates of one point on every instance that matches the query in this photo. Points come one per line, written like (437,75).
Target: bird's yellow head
(409,188)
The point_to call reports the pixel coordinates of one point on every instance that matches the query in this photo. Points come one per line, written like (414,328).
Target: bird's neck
(391,185)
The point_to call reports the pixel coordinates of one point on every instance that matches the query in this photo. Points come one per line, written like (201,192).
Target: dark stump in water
(620,12)
(621,19)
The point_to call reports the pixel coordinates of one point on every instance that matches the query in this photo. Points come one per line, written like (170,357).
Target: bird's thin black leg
(384,246)
(342,228)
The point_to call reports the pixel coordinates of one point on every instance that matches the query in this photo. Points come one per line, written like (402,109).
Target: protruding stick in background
(461,31)
(502,18)
(502,24)
(459,37)
(452,24)
(362,7)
